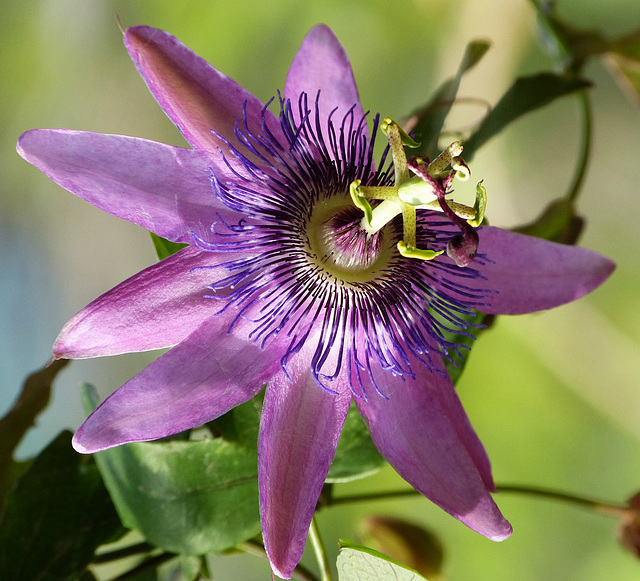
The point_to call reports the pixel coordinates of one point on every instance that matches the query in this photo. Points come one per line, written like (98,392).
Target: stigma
(421,184)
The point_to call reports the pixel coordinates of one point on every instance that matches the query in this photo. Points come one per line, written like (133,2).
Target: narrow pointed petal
(162,188)
(299,432)
(202,378)
(424,433)
(154,309)
(531,274)
(197,97)
(321,64)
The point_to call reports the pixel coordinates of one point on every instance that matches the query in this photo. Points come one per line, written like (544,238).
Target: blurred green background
(554,396)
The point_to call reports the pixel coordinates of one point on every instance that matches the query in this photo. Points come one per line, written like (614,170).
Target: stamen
(425,191)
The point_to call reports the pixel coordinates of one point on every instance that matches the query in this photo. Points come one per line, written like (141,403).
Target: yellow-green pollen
(410,193)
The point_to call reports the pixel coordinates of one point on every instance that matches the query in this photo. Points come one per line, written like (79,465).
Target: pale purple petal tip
(162,188)
(206,375)
(424,433)
(299,432)
(197,97)
(321,64)
(154,309)
(526,274)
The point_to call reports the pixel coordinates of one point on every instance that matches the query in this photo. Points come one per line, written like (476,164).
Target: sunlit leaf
(164,247)
(190,497)
(56,517)
(525,95)
(358,563)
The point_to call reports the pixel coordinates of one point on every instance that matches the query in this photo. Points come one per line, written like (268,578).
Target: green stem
(130,551)
(607,508)
(257,550)
(148,565)
(585,147)
(318,549)
(602,507)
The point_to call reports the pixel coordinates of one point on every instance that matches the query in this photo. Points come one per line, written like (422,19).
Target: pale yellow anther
(440,163)
(409,252)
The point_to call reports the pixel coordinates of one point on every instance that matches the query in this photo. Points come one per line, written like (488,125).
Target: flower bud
(411,545)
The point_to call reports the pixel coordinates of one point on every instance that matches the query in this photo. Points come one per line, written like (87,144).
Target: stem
(608,508)
(256,549)
(318,549)
(585,147)
(137,549)
(148,565)
(602,507)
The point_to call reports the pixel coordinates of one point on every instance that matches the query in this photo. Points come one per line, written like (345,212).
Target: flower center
(339,245)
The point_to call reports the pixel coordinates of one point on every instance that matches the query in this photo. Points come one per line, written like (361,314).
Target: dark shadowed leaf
(56,517)
(465,339)
(427,122)
(525,95)
(356,456)
(557,223)
(33,399)
(190,497)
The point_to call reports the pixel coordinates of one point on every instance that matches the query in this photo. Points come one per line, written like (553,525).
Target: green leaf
(465,338)
(192,567)
(356,456)
(164,247)
(56,517)
(189,497)
(557,223)
(427,122)
(525,95)
(358,563)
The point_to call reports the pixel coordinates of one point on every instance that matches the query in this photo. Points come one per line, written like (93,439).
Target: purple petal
(164,189)
(423,432)
(200,379)
(299,432)
(321,63)
(154,309)
(531,274)
(197,97)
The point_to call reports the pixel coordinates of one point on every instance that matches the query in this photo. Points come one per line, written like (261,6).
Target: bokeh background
(554,396)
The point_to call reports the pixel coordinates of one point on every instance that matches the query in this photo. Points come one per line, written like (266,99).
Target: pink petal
(321,63)
(164,189)
(197,97)
(299,432)
(531,274)
(423,432)
(203,377)
(154,309)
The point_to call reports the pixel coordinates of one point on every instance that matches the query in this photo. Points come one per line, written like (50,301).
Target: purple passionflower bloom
(280,285)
